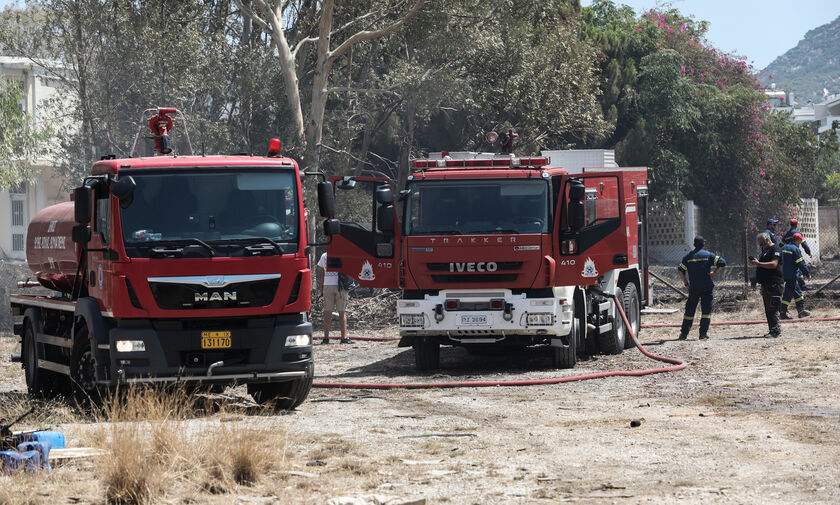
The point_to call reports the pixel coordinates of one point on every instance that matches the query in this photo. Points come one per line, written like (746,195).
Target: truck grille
(179,296)
(506,272)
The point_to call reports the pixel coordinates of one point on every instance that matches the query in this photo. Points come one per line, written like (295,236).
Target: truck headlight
(130,345)
(297,340)
(540,319)
(411,320)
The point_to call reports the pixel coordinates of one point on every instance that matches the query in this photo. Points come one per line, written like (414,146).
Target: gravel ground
(751,420)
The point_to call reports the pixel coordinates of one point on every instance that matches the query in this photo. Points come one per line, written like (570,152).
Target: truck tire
(632,307)
(284,395)
(426,354)
(39,381)
(83,366)
(566,357)
(612,342)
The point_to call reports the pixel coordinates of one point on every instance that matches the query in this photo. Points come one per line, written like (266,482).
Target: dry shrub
(242,454)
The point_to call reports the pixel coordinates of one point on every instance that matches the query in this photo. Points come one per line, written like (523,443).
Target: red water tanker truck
(493,250)
(169,269)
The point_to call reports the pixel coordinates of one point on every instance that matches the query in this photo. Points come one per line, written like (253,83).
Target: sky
(759,30)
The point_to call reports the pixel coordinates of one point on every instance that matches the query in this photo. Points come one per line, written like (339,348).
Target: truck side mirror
(81,234)
(385,218)
(384,195)
(576,215)
(83,205)
(332,227)
(123,190)
(326,200)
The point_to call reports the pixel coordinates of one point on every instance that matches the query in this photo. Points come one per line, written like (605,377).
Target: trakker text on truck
(494,249)
(172,268)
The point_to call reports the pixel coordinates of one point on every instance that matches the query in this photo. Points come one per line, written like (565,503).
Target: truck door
(584,254)
(367,247)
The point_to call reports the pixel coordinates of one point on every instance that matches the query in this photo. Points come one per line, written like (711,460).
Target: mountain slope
(809,67)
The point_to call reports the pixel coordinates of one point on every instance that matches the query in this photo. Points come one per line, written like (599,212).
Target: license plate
(215,339)
(472,319)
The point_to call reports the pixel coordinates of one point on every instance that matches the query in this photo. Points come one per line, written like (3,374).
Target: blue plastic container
(43,449)
(55,438)
(11,461)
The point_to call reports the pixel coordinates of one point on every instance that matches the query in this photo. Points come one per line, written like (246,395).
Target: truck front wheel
(284,395)
(426,353)
(566,357)
(83,365)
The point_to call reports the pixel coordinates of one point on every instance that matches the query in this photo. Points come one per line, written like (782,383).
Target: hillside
(809,67)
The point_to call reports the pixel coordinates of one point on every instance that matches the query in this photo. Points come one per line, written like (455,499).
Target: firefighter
(771,231)
(698,264)
(769,274)
(794,228)
(794,263)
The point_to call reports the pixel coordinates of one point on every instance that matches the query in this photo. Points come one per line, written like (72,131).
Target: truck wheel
(284,395)
(566,357)
(426,354)
(39,382)
(83,366)
(632,307)
(612,342)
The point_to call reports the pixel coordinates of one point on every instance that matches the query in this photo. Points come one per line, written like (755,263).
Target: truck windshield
(221,213)
(477,206)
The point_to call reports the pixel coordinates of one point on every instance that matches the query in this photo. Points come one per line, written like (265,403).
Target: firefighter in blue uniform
(698,265)
(771,230)
(794,228)
(794,263)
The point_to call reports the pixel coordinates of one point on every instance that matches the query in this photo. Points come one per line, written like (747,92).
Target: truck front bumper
(251,350)
(485,316)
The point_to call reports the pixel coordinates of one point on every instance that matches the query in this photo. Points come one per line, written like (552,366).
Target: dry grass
(153,449)
(19,489)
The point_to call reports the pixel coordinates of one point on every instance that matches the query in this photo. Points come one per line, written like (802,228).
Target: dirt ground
(750,420)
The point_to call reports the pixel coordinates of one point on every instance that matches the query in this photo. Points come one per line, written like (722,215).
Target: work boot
(784,315)
(346,340)
(804,313)
(683,336)
(772,335)
(704,336)
(325,341)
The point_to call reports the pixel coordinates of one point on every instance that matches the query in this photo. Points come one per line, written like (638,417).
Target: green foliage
(21,141)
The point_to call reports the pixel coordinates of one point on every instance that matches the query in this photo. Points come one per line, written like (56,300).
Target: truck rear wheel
(426,353)
(612,342)
(632,308)
(39,382)
(284,395)
(566,357)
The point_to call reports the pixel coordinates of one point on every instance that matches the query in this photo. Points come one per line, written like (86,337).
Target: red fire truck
(494,249)
(172,268)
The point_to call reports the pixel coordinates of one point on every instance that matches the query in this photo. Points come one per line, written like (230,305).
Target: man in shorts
(334,299)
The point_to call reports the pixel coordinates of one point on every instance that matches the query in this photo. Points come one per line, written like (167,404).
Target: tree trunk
(405,146)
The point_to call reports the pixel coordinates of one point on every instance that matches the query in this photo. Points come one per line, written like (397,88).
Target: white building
(19,204)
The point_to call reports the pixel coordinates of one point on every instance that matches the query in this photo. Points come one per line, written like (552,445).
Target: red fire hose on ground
(678,365)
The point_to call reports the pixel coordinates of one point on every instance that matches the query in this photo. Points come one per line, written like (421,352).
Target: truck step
(16,358)
(605,328)
(17,328)
(604,306)
(55,367)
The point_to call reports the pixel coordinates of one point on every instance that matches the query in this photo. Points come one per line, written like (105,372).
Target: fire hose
(677,365)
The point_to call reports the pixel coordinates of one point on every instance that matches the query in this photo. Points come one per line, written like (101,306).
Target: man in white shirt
(334,299)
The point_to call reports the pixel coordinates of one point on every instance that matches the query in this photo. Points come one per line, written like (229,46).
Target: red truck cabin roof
(113,166)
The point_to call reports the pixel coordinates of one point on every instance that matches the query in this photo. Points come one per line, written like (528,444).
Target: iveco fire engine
(172,268)
(496,249)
